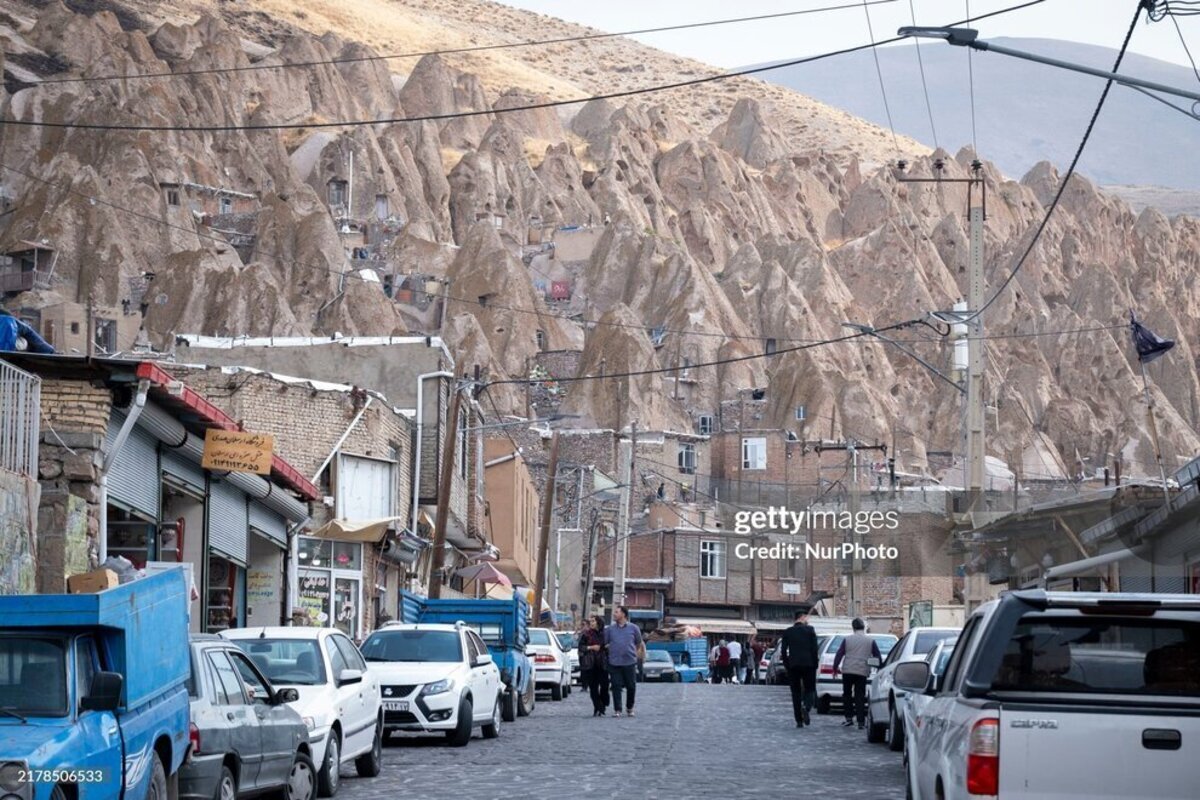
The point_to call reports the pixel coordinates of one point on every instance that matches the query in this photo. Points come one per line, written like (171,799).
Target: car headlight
(10,777)
(438,687)
(310,723)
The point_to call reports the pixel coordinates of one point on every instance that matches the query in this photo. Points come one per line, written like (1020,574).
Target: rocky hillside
(716,230)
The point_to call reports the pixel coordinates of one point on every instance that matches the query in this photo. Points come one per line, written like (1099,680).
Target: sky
(1099,22)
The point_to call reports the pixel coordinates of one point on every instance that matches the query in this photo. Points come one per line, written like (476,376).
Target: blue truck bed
(145,624)
(690,657)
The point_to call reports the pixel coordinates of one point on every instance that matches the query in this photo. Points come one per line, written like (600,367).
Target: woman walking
(593,665)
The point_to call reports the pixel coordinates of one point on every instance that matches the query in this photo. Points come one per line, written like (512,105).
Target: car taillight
(543,659)
(194,737)
(983,758)
(826,670)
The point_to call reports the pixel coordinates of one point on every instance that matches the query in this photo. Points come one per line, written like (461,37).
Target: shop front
(330,584)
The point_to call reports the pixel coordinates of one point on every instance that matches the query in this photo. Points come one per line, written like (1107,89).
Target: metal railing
(20,425)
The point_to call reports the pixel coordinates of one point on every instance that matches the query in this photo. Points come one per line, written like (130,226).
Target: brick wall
(75,406)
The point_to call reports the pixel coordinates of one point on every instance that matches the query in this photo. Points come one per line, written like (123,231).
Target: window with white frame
(704,424)
(754,453)
(687,458)
(801,413)
(712,558)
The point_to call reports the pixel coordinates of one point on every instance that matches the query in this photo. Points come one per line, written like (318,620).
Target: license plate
(395,705)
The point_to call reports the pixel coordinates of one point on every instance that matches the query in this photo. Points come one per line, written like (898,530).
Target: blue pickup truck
(93,697)
(504,627)
(690,656)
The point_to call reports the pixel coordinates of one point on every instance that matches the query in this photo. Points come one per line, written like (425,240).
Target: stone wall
(18,532)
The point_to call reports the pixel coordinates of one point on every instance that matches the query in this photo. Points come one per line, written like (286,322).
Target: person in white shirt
(735,660)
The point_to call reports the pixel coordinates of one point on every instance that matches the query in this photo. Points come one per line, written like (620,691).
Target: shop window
(346,602)
(347,555)
(313,595)
(712,558)
(315,553)
(223,594)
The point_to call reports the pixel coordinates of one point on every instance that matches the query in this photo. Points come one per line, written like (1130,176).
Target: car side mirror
(286,695)
(482,660)
(935,683)
(912,676)
(349,676)
(105,692)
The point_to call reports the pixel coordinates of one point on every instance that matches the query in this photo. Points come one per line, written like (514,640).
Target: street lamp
(870,331)
(969,37)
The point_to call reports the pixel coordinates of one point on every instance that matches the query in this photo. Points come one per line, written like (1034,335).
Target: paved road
(687,741)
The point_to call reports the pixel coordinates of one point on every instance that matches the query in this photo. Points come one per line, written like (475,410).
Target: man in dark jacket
(798,651)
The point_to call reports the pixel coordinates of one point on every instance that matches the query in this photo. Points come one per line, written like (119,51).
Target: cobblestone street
(687,741)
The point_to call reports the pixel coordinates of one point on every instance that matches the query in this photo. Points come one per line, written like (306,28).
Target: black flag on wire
(1149,345)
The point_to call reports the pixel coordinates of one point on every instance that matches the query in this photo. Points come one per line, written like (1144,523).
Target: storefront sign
(238,451)
(260,586)
(313,594)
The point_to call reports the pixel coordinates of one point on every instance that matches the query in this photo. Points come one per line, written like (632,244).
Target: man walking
(623,641)
(798,651)
(735,660)
(851,659)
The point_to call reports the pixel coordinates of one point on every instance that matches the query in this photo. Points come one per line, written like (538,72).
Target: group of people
(608,657)
(731,661)
(799,654)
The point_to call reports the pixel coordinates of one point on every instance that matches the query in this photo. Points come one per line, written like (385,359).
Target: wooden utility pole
(443,499)
(539,581)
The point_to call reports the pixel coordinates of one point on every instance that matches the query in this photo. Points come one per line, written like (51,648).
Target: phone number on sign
(62,776)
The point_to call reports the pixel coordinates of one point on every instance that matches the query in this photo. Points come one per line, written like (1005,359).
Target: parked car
(551,665)
(245,737)
(436,678)
(764,664)
(914,703)
(829,686)
(776,672)
(659,666)
(1062,695)
(570,644)
(339,697)
(885,718)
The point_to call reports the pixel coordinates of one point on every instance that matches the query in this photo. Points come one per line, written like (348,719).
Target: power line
(1186,49)
(282,126)
(924,86)
(1062,186)
(453,50)
(1194,112)
(879,71)
(971,82)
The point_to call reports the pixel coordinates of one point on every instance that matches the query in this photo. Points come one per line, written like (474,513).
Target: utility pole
(854,601)
(443,499)
(975,348)
(539,582)
(621,558)
(590,562)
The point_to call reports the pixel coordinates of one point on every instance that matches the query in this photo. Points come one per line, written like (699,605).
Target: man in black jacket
(799,655)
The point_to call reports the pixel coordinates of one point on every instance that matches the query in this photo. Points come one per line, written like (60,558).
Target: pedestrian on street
(721,670)
(593,664)
(758,649)
(713,675)
(851,660)
(798,651)
(622,640)
(735,661)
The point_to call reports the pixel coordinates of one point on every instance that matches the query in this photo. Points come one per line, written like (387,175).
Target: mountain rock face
(703,245)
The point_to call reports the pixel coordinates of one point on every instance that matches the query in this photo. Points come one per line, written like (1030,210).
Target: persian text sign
(237,451)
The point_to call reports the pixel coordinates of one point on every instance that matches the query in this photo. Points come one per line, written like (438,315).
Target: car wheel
(226,786)
(462,732)
(302,779)
(58,793)
(508,705)
(556,692)
(895,731)
(370,764)
(158,781)
(327,778)
(823,704)
(677,679)
(492,729)
(526,702)
(875,731)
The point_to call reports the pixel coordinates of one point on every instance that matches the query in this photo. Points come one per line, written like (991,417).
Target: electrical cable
(971,82)
(1194,113)
(453,50)
(1087,134)
(623,93)
(887,109)
(1186,49)
(924,85)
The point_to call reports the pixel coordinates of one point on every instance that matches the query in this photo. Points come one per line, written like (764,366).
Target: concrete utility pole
(443,499)
(590,562)
(621,558)
(975,351)
(539,581)
(854,601)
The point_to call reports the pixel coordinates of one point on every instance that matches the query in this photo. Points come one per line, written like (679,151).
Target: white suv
(436,678)
(339,695)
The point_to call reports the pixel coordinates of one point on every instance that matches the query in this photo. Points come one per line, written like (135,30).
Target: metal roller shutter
(227,521)
(178,465)
(268,523)
(133,480)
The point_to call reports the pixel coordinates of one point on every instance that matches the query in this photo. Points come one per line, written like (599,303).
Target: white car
(339,694)
(914,703)
(570,644)
(829,686)
(885,717)
(551,664)
(436,678)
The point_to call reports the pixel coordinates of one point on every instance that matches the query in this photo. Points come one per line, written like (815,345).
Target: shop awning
(1087,564)
(355,530)
(771,626)
(709,625)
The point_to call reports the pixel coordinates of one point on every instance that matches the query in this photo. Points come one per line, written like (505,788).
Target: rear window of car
(927,640)
(567,640)
(539,636)
(1102,655)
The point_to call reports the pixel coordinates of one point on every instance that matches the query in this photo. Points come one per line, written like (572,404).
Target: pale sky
(1100,22)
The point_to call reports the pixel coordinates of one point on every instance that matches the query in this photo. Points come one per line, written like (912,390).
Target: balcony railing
(20,425)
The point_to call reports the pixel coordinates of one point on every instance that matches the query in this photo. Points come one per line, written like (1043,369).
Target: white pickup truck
(1063,695)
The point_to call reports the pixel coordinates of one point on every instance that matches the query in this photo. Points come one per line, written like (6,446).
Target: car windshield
(413,645)
(927,640)
(567,640)
(33,676)
(1101,655)
(539,636)
(286,662)
(658,655)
